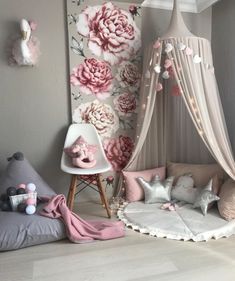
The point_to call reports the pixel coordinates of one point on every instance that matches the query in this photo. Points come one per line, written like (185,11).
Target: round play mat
(185,223)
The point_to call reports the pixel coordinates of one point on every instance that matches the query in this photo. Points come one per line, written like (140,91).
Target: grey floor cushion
(18,230)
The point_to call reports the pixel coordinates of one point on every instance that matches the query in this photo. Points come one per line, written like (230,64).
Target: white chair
(92,175)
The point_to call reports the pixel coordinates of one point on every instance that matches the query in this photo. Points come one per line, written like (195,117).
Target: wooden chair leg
(72,191)
(103,196)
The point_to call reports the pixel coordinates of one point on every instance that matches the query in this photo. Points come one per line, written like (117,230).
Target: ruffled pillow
(184,189)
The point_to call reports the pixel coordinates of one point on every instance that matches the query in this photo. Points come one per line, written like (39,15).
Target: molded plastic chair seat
(88,131)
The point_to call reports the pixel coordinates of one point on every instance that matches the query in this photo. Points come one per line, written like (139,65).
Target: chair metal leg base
(73,188)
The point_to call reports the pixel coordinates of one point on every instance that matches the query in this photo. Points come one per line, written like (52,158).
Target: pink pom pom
(22,185)
(30,201)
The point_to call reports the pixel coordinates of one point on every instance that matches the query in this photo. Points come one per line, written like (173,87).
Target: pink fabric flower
(133,9)
(93,77)
(101,115)
(175,91)
(125,104)
(128,75)
(111,32)
(118,151)
(170,206)
(109,180)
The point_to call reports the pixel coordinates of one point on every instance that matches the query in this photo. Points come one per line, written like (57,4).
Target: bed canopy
(183,62)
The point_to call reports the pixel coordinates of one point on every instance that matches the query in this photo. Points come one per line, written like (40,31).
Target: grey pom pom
(17,156)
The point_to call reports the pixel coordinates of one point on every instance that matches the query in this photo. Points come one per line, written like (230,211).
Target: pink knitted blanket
(78,230)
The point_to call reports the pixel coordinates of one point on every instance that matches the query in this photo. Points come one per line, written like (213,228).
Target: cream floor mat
(185,223)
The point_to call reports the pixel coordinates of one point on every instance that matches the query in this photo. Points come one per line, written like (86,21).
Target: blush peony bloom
(111,32)
(125,104)
(118,151)
(101,115)
(128,75)
(93,77)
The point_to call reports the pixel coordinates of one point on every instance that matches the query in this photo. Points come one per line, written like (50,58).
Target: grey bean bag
(18,230)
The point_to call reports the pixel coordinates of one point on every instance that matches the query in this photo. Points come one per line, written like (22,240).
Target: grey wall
(156,21)
(223,46)
(34,101)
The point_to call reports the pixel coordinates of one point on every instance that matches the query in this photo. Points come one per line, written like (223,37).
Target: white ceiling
(193,6)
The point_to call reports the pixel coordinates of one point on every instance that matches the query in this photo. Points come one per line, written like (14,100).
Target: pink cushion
(226,204)
(134,192)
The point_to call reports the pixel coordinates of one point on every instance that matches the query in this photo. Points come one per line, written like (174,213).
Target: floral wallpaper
(104,52)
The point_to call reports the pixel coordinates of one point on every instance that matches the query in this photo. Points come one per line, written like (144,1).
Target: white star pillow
(205,197)
(157,191)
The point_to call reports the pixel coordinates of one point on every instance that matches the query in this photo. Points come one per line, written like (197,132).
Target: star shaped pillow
(205,198)
(156,190)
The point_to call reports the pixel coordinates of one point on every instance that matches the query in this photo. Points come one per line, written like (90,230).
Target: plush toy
(82,153)
(25,50)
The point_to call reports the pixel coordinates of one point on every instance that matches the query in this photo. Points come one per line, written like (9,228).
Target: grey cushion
(18,230)
(19,170)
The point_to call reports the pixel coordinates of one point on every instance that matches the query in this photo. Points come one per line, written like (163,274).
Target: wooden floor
(136,257)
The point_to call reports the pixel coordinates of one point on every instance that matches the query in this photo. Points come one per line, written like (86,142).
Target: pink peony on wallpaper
(105,72)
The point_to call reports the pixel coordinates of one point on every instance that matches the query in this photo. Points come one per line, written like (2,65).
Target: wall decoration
(25,49)
(105,72)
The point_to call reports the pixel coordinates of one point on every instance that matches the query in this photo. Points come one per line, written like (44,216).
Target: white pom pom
(30,187)
(30,210)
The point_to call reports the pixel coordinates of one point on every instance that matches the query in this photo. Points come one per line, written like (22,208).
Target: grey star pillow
(205,197)
(156,191)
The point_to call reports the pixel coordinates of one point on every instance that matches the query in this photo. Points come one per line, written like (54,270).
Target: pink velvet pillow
(134,192)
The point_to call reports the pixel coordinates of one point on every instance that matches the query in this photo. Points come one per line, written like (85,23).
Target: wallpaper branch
(105,72)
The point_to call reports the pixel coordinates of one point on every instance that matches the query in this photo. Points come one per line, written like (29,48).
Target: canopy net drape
(184,66)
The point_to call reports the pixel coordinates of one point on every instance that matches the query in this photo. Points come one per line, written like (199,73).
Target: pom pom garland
(20,191)
(30,201)
(6,207)
(21,207)
(22,185)
(11,191)
(30,210)
(28,205)
(30,187)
